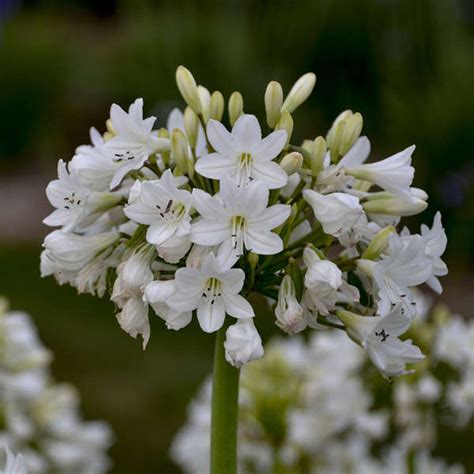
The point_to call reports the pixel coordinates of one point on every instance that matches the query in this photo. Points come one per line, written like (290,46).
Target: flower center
(245,167)
(173,211)
(382,335)
(126,156)
(238,230)
(212,290)
(71,201)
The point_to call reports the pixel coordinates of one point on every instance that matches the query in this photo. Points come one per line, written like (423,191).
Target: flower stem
(225,393)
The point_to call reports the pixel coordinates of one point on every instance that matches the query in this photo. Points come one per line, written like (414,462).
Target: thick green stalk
(225,408)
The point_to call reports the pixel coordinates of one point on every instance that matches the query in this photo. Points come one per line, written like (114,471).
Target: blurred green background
(406,65)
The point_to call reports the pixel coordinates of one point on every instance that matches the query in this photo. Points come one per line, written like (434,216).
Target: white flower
(14,464)
(379,337)
(243,343)
(239,218)
(243,154)
(213,291)
(394,174)
(324,283)
(133,319)
(337,212)
(94,166)
(435,244)
(157,293)
(288,311)
(405,266)
(134,141)
(72,252)
(163,207)
(75,205)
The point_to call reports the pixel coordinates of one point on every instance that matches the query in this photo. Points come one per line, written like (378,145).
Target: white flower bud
(236,107)
(273,103)
(288,312)
(243,343)
(292,162)
(216,106)
(351,133)
(191,126)
(318,152)
(342,117)
(285,123)
(188,88)
(179,148)
(395,206)
(299,92)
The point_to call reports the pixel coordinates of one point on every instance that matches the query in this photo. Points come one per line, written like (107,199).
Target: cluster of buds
(316,404)
(192,218)
(41,418)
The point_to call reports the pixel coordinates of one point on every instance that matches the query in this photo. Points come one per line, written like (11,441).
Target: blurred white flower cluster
(194,217)
(315,407)
(40,419)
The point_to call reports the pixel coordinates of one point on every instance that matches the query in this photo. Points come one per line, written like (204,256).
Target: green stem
(225,408)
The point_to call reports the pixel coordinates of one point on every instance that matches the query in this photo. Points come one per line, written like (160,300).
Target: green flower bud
(253,260)
(379,244)
(109,127)
(179,148)
(273,102)
(191,125)
(395,206)
(236,107)
(292,162)
(217,106)
(351,133)
(285,123)
(188,88)
(299,92)
(318,152)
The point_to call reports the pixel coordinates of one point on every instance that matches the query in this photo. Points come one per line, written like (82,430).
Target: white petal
(247,133)
(271,146)
(270,173)
(216,166)
(207,205)
(159,232)
(233,280)
(221,140)
(263,243)
(270,218)
(210,232)
(237,306)
(359,152)
(141,213)
(211,316)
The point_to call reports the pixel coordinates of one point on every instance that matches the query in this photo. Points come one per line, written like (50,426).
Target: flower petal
(159,232)
(263,242)
(208,206)
(270,173)
(270,218)
(216,166)
(247,133)
(210,231)
(237,306)
(221,139)
(211,315)
(271,146)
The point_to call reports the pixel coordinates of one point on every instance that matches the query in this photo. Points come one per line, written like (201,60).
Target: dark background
(406,65)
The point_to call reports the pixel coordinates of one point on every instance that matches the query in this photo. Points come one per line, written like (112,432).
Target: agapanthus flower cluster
(41,421)
(317,407)
(193,217)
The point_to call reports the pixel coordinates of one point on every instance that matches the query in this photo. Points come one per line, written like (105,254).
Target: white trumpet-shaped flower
(337,212)
(134,140)
(71,252)
(157,293)
(133,319)
(243,154)
(213,290)
(163,207)
(435,244)
(288,311)
(379,337)
(238,218)
(394,174)
(75,205)
(243,343)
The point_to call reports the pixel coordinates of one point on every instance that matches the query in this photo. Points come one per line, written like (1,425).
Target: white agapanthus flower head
(194,219)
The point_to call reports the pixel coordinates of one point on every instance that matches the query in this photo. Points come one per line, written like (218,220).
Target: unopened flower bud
(179,148)
(336,140)
(351,133)
(395,206)
(253,259)
(273,102)
(318,152)
(379,244)
(191,125)
(109,127)
(288,311)
(299,92)
(217,106)
(236,107)
(242,343)
(285,123)
(205,97)
(292,162)
(188,88)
